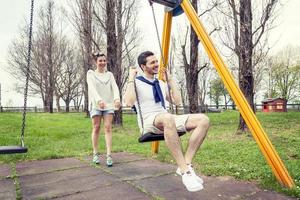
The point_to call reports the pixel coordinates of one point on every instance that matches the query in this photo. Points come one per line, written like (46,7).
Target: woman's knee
(107,128)
(96,128)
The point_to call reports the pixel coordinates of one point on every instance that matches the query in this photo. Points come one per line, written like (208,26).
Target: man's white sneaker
(191,183)
(191,169)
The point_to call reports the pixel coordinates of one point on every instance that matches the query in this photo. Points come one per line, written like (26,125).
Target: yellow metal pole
(164,58)
(252,122)
(166,35)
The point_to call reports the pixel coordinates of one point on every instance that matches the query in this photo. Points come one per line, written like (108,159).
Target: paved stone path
(131,177)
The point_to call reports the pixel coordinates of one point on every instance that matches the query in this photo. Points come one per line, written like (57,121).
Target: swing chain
(150,2)
(157,33)
(27,73)
(161,52)
(139,107)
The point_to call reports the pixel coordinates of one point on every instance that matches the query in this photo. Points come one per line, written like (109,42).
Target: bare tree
(285,72)
(44,54)
(191,69)
(121,39)
(216,90)
(113,45)
(177,70)
(46,57)
(69,77)
(82,21)
(268,81)
(246,37)
(192,65)
(203,84)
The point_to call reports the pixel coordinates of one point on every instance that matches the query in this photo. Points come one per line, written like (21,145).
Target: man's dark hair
(142,59)
(97,55)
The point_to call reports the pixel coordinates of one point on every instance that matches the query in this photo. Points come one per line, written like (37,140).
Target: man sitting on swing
(151,94)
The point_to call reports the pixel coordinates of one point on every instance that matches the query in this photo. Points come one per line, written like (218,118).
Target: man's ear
(143,67)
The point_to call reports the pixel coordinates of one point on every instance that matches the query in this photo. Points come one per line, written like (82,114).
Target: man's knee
(198,120)
(168,120)
(204,121)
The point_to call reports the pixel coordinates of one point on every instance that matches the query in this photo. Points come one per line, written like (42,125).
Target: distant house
(274,105)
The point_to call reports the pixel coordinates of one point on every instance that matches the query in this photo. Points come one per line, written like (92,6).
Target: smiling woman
(104,98)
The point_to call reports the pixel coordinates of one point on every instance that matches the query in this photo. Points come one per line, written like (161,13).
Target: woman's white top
(102,87)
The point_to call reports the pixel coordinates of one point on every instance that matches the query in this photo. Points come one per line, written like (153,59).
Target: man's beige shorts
(180,122)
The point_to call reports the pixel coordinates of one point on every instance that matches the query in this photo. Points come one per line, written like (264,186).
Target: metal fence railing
(129,110)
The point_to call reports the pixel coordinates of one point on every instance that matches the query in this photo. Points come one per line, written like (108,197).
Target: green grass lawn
(223,153)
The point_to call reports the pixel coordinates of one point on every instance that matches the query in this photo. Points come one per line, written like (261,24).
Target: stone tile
(131,177)
(120,157)
(65,182)
(4,171)
(161,184)
(228,188)
(219,188)
(7,189)
(121,190)
(43,166)
(141,169)
(171,187)
(267,195)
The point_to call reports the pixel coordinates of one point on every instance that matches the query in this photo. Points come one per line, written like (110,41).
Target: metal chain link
(161,52)
(160,47)
(139,106)
(27,73)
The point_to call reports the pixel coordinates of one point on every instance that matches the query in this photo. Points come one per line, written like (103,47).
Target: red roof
(272,99)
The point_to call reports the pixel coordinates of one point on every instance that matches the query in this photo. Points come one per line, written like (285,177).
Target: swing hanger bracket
(169,3)
(170,6)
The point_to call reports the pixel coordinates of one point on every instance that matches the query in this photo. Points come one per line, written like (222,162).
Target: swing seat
(150,137)
(12,149)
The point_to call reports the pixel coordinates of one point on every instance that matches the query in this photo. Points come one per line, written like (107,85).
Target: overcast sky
(14,12)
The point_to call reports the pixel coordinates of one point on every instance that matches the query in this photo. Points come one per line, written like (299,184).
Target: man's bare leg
(166,122)
(198,124)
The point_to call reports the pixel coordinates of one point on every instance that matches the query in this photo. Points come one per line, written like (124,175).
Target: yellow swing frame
(252,122)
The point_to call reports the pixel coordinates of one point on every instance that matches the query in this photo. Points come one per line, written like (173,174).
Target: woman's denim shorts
(100,112)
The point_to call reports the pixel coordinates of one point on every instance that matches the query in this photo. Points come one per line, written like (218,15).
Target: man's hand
(101,104)
(117,104)
(167,76)
(132,73)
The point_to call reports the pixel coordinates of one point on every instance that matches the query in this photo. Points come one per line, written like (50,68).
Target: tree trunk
(192,70)
(67,105)
(86,9)
(114,48)
(45,105)
(245,59)
(51,84)
(86,98)
(46,102)
(58,104)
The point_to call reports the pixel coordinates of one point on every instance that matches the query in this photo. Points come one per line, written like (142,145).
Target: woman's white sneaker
(190,182)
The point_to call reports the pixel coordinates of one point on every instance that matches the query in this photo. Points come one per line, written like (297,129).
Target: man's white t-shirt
(147,102)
